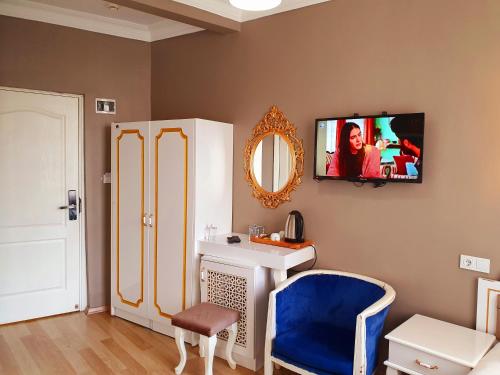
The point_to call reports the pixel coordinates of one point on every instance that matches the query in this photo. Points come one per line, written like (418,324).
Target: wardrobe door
(171,235)
(129,255)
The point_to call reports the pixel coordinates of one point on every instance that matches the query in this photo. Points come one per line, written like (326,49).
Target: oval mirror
(273,162)
(274,159)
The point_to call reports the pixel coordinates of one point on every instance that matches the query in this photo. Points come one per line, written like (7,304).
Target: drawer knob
(426,365)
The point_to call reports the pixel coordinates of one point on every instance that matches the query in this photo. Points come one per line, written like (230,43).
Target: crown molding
(163,30)
(187,14)
(35,11)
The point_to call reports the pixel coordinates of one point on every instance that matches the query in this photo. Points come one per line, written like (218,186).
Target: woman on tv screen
(354,158)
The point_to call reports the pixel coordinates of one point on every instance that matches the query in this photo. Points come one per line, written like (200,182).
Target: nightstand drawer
(419,362)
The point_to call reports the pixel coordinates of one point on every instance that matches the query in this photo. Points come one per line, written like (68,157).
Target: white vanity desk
(278,259)
(240,276)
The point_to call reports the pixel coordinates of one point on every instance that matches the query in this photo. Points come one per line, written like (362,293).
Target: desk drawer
(409,358)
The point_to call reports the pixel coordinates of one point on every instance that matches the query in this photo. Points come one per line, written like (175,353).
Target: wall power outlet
(469,262)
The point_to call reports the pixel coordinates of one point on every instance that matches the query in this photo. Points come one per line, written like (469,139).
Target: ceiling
(223,8)
(97,16)
(100,7)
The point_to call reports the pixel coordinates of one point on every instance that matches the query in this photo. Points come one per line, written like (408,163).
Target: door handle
(66,207)
(72,207)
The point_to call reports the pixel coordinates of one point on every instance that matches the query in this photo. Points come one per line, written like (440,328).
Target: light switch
(106,178)
(483,265)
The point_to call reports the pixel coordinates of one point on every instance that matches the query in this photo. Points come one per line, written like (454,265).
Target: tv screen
(372,148)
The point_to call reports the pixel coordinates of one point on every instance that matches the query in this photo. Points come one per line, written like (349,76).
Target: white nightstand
(425,346)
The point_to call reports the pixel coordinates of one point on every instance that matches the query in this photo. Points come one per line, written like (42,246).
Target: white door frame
(81,188)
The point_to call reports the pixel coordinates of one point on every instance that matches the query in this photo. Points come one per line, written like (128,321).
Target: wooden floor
(95,344)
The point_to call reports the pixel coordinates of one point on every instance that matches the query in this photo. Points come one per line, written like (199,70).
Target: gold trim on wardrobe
(488,298)
(141,138)
(185,138)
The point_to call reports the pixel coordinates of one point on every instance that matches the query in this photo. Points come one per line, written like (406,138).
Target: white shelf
(275,257)
(444,340)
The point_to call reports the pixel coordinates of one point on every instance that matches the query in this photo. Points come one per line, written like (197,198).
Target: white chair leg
(202,348)
(179,340)
(232,331)
(209,348)
(268,366)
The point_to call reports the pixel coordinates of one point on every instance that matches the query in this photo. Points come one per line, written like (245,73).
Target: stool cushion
(206,319)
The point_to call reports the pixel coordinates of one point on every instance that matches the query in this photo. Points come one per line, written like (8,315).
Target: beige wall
(441,57)
(40,56)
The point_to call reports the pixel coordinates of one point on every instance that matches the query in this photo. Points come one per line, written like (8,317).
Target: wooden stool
(206,319)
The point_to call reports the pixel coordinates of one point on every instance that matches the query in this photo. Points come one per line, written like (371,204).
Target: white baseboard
(96,310)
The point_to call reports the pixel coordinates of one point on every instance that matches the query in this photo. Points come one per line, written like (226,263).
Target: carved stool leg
(179,340)
(209,349)
(232,331)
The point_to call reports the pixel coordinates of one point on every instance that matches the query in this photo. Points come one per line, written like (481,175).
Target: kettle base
(294,240)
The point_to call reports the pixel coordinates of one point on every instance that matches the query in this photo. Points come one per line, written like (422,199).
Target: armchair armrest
(371,320)
(270,333)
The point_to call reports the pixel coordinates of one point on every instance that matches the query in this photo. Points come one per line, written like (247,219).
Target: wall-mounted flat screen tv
(372,148)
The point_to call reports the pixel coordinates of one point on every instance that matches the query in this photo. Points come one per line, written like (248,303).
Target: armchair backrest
(354,302)
(331,298)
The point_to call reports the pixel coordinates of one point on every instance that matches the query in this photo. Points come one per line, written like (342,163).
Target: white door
(39,242)
(130,218)
(172,175)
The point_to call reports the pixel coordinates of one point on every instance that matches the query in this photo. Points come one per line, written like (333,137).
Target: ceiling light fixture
(255,5)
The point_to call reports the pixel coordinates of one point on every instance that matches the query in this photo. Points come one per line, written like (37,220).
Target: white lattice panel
(229,291)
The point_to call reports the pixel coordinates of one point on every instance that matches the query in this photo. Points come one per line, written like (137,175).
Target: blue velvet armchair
(326,322)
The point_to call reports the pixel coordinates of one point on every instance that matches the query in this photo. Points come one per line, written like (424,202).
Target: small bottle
(213,232)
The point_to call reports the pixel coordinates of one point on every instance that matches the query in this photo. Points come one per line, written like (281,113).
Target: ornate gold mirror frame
(275,122)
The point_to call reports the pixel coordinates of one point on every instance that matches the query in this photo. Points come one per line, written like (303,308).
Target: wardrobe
(170,180)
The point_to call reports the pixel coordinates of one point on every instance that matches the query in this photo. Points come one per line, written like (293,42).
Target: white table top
(445,340)
(275,257)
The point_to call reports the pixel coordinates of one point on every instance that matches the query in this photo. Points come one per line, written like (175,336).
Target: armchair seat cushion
(318,347)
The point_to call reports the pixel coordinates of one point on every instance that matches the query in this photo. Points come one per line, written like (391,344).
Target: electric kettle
(294,227)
